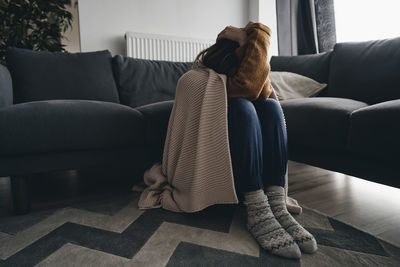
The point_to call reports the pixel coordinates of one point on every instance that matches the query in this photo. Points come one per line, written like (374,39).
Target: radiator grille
(164,47)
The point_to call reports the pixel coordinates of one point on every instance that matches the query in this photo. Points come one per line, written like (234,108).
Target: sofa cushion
(375,130)
(54,75)
(61,125)
(142,82)
(319,122)
(366,71)
(156,118)
(313,66)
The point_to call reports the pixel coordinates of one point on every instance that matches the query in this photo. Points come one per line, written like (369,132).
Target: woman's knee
(243,109)
(270,108)
(272,104)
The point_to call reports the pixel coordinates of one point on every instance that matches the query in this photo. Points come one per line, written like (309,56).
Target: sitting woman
(227,140)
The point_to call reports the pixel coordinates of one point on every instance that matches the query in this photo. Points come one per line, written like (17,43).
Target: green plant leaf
(33,24)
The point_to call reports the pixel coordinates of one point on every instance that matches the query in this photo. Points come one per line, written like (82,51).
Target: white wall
(71,37)
(103,23)
(267,16)
(264,11)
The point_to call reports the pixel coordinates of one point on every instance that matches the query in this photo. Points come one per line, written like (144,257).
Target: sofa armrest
(6,91)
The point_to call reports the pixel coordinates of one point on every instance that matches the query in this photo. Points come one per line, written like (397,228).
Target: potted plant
(33,24)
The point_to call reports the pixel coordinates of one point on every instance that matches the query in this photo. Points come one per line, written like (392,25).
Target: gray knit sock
(305,240)
(262,224)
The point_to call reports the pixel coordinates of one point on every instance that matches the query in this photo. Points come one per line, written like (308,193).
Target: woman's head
(220,57)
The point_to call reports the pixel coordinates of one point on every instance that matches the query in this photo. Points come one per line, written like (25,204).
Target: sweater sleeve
(254,67)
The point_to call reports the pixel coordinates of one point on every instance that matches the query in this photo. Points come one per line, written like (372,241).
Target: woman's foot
(262,224)
(276,198)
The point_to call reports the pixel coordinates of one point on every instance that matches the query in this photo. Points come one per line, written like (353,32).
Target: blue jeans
(258,143)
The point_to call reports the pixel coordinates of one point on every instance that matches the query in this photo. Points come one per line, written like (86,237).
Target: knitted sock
(262,224)
(305,240)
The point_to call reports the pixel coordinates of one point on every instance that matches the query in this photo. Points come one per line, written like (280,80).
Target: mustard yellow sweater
(251,80)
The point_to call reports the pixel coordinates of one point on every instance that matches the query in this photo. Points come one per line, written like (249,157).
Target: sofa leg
(20,194)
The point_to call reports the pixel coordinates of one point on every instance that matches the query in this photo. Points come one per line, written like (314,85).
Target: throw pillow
(55,75)
(290,85)
(141,81)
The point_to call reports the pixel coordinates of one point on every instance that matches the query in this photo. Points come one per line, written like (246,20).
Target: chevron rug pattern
(109,230)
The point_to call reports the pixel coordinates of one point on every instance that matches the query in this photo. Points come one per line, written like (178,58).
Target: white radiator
(164,47)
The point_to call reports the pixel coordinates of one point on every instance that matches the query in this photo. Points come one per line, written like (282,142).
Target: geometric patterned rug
(109,230)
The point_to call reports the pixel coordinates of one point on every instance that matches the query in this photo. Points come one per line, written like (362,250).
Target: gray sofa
(352,126)
(69,111)
(63,111)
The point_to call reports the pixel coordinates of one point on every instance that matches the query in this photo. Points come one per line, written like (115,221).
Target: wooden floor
(371,207)
(368,206)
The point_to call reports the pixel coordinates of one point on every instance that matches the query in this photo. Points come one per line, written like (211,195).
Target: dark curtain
(305,26)
(325,21)
(306,43)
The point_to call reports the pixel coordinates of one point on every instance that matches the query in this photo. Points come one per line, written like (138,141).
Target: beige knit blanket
(196,170)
